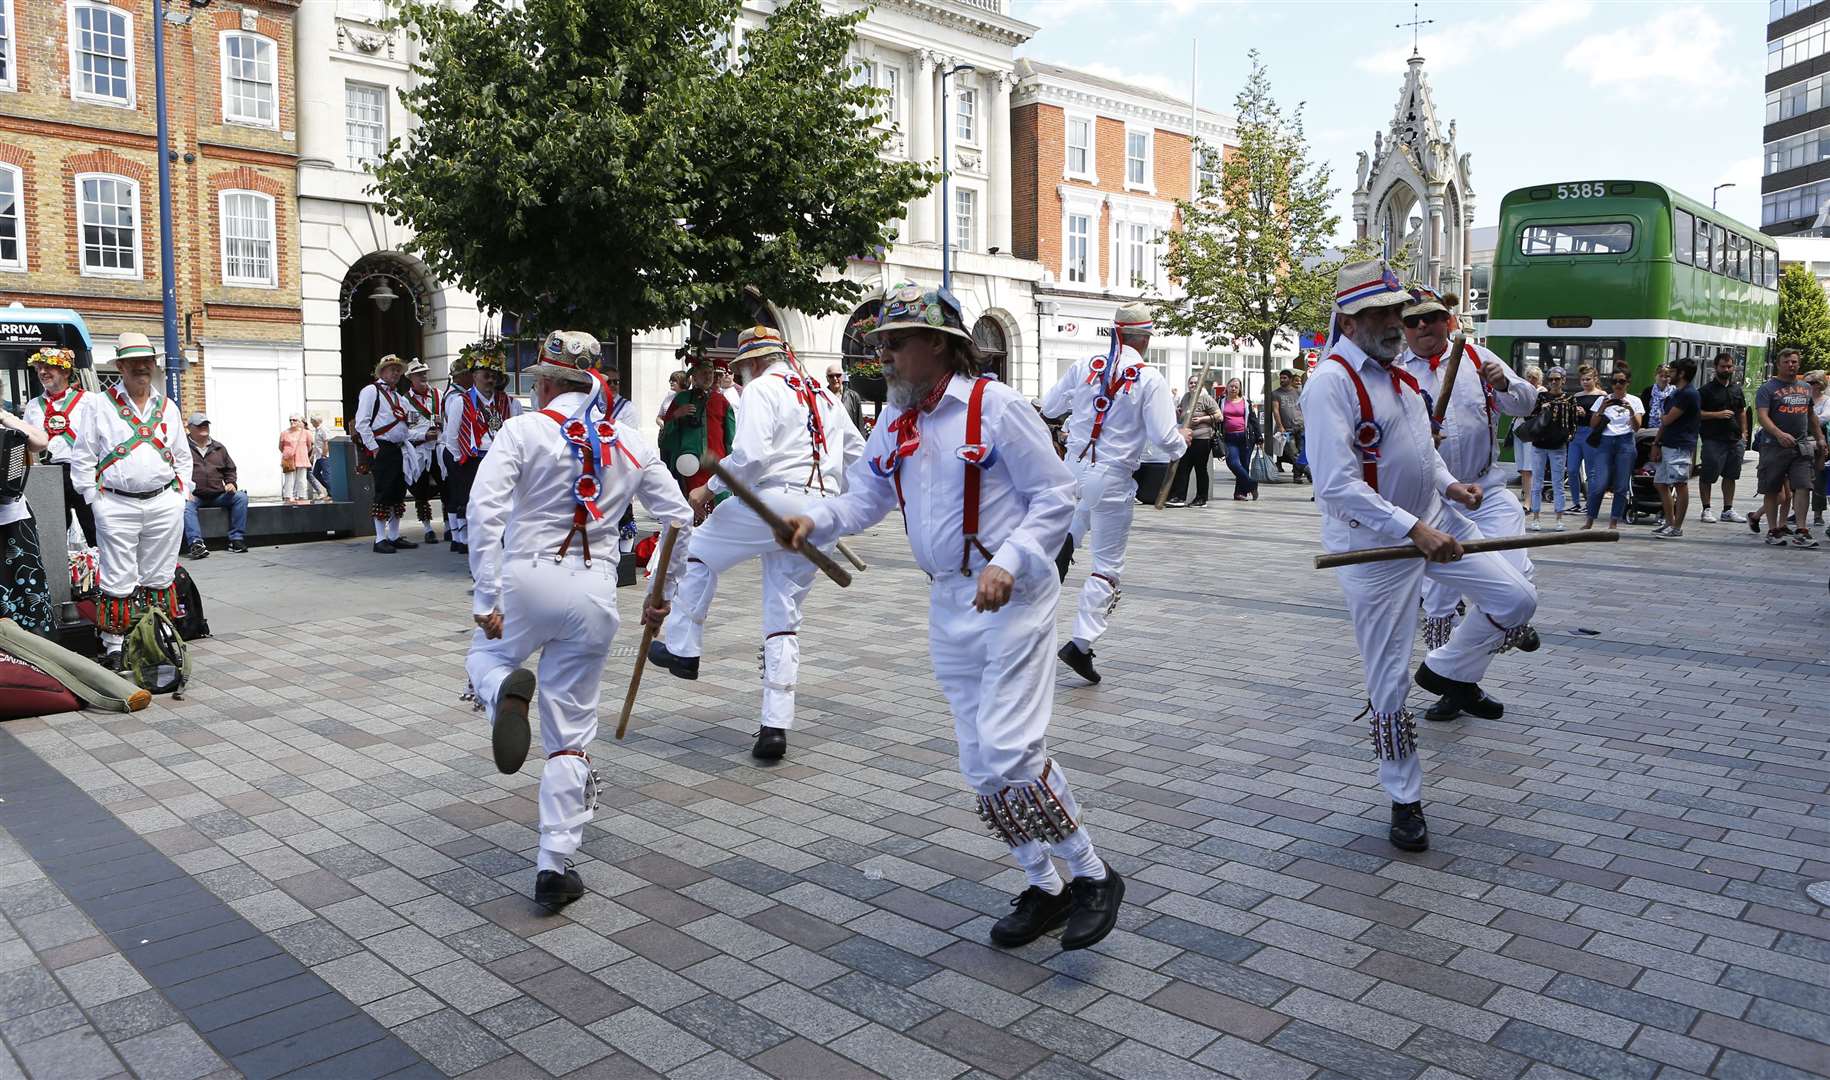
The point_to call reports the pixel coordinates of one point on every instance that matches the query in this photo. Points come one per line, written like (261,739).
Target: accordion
(15,462)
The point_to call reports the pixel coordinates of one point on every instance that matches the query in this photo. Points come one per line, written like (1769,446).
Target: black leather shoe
(554,890)
(771,744)
(384,547)
(1444,710)
(1095,909)
(113,660)
(1409,831)
(431,536)
(1065,557)
(197,551)
(509,738)
(1037,912)
(1081,660)
(681,667)
(403,543)
(1526,639)
(1465,696)
(460,548)
(238,546)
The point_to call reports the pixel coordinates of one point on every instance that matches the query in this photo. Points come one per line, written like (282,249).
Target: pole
(946,188)
(174,357)
(656,590)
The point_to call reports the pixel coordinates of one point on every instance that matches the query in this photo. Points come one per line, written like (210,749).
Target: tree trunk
(625,357)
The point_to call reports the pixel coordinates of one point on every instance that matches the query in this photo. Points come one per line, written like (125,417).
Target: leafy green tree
(1804,316)
(606,164)
(1251,250)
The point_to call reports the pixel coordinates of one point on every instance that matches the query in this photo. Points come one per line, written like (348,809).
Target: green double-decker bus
(1625,273)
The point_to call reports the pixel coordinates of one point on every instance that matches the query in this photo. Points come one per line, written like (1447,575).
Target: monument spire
(1416,24)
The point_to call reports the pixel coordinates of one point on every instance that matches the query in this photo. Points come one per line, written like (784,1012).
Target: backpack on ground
(191,623)
(154,655)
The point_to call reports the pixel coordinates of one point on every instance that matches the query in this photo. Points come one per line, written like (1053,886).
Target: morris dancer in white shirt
(132,464)
(56,411)
(1119,406)
(1380,481)
(383,425)
(986,505)
(472,419)
(421,457)
(546,497)
(793,445)
(1484,391)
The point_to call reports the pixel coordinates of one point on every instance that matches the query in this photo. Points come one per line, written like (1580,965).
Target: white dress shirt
(421,423)
(382,416)
(456,399)
(1026,497)
(100,429)
(1470,436)
(1142,415)
(1412,475)
(62,445)
(521,504)
(773,447)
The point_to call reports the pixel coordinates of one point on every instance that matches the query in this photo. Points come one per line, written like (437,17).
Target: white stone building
(1416,190)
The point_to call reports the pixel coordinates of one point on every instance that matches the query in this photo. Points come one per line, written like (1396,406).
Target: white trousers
(1104,507)
(1500,514)
(295,484)
(997,670)
(1383,597)
(568,612)
(137,544)
(733,535)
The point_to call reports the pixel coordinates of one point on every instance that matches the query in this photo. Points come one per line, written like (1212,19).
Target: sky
(1543,90)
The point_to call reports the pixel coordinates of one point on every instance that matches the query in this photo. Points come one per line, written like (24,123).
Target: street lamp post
(1712,193)
(946,180)
(174,357)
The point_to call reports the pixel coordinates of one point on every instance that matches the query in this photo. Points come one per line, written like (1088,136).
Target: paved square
(309,867)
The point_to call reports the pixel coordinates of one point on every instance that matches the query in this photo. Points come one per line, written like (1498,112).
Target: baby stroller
(1643,504)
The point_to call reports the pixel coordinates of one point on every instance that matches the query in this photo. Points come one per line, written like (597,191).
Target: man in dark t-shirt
(1724,436)
(1675,446)
(1793,449)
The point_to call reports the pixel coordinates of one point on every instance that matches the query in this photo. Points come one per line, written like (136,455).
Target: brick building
(1097,168)
(79,195)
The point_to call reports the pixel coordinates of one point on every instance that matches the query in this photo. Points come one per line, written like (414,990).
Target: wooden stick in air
(655,592)
(775,522)
(1162,495)
(851,556)
(1470,547)
(1458,343)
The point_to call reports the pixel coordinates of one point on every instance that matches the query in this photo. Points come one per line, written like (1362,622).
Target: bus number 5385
(1581,191)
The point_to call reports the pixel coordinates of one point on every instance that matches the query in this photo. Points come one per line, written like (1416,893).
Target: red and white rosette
(1366,437)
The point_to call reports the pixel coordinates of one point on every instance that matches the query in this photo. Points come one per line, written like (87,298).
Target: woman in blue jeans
(1236,423)
(1610,464)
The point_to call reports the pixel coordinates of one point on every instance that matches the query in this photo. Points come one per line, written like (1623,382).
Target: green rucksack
(154,655)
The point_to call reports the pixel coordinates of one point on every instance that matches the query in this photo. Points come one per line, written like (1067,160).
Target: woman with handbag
(1610,450)
(1546,433)
(1586,396)
(1240,431)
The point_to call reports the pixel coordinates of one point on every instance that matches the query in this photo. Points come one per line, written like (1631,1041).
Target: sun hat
(908,306)
(133,346)
(569,356)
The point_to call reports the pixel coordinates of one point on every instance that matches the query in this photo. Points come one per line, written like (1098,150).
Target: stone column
(998,168)
(921,144)
(1433,239)
(319,91)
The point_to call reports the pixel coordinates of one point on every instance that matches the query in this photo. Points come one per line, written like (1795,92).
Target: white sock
(394,527)
(381,530)
(551,860)
(1082,861)
(1083,645)
(1037,866)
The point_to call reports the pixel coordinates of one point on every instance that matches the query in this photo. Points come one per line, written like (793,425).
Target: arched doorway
(994,348)
(384,307)
(858,354)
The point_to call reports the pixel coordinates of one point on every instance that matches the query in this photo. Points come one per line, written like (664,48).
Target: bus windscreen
(1577,238)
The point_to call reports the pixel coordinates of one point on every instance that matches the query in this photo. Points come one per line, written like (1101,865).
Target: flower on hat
(55,357)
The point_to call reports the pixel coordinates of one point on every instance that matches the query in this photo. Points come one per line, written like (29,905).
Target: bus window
(1744,252)
(1577,238)
(1772,269)
(1701,246)
(1719,248)
(1601,355)
(1683,235)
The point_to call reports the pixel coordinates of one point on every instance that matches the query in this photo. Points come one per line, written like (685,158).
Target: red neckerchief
(907,430)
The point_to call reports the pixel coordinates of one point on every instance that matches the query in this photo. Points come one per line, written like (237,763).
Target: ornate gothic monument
(1415,192)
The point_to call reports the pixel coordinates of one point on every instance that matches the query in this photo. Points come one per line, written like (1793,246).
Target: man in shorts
(1793,450)
(1674,447)
(1724,436)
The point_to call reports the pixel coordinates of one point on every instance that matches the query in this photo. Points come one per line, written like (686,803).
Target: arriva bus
(1625,273)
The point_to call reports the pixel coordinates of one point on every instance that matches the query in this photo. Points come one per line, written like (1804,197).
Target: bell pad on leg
(1024,812)
(1394,734)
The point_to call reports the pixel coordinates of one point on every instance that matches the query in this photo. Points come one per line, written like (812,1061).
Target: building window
(368,11)
(101,55)
(1138,247)
(965,219)
(7,61)
(1079,226)
(12,218)
(250,82)
(1080,147)
(109,211)
(365,123)
(889,80)
(247,239)
(1137,158)
(966,127)
(1207,170)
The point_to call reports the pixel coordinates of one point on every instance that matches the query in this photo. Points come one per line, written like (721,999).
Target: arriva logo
(21,329)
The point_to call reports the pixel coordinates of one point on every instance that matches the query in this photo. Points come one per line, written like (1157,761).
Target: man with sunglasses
(1469,444)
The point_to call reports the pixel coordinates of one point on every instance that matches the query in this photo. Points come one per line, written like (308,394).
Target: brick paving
(310,867)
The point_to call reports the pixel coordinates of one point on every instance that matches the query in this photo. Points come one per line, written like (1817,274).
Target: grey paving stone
(362,978)
(452,1042)
(137,1014)
(169,1053)
(888,1054)
(649,1039)
(76,1054)
(560,1047)
(880,1002)
(104,979)
(1577,1055)
(729,1026)
(801,1012)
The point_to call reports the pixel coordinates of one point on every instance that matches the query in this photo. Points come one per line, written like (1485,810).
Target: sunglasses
(1412,322)
(1620,382)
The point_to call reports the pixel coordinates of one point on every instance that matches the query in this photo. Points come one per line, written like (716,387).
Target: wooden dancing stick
(655,592)
(1459,344)
(1162,495)
(851,556)
(1471,547)
(774,520)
